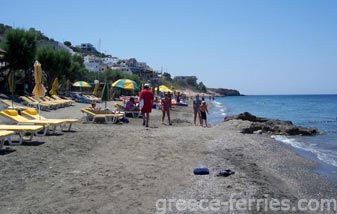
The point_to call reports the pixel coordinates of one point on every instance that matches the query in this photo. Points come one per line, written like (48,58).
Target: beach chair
(69,102)
(92,117)
(33,114)
(40,100)
(60,102)
(20,120)
(22,131)
(35,104)
(134,114)
(8,103)
(5,135)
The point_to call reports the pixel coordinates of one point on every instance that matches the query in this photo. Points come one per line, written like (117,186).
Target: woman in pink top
(165,107)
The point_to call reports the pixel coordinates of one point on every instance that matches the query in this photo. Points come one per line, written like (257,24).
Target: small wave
(322,121)
(327,156)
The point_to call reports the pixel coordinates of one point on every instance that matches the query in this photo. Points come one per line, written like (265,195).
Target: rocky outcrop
(224,91)
(271,126)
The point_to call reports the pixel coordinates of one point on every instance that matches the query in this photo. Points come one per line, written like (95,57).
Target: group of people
(200,109)
(146,103)
(146,100)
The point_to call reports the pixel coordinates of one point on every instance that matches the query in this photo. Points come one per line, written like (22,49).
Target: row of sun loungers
(38,125)
(46,103)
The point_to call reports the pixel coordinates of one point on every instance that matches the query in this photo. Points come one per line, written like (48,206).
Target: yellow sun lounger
(9,104)
(5,135)
(93,117)
(14,116)
(32,113)
(21,130)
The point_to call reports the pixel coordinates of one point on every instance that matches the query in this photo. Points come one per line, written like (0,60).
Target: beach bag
(141,103)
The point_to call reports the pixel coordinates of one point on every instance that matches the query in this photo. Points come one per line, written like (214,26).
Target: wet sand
(127,168)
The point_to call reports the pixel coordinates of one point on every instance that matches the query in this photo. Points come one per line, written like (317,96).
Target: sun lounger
(5,135)
(92,117)
(22,130)
(33,114)
(123,109)
(40,100)
(70,102)
(8,103)
(35,104)
(14,116)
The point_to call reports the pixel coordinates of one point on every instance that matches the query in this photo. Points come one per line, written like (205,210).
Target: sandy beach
(128,168)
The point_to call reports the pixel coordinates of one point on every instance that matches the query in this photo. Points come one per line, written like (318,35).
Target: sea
(317,111)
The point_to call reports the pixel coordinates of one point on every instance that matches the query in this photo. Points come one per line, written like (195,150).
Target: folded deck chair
(9,104)
(123,109)
(92,117)
(5,135)
(22,130)
(14,116)
(32,113)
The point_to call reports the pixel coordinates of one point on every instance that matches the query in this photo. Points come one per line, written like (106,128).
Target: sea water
(317,111)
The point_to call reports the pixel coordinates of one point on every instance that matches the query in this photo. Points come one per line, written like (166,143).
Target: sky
(254,46)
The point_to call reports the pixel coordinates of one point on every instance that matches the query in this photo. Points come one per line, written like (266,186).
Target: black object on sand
(201,171)
(226,173)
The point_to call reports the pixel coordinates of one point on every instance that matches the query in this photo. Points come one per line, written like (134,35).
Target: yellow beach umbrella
(54,87)
(126,84)
(82,84)
(164,88)
(94,92)
(11,82)
(38,90)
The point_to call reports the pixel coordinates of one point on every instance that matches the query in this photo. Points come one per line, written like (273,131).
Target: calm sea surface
(318,111)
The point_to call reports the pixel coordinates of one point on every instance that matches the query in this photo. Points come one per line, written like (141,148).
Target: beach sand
(127,168)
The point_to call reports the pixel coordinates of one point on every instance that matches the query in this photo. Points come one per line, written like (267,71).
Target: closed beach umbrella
(105,93)
(164,88)
(38,90)
(126,84)
(94,92)
(11,85)
(54,87)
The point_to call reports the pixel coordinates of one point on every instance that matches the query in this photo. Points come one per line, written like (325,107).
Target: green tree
(67,43)
(202,87)
(55,63)
(20,47)
(167,76)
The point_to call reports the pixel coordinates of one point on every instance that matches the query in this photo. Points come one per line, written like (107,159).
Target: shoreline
(127,168)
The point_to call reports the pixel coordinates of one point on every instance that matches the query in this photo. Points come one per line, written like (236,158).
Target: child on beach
(203,109)
(165,107)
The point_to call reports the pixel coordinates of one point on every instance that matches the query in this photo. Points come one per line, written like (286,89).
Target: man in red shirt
(147,96)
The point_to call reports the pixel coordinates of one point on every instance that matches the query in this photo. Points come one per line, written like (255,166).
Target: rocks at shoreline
(260,125)
(224,91)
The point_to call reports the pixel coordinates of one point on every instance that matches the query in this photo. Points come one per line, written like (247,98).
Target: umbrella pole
(39,111)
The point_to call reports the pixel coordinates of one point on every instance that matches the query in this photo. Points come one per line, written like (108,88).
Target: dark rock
(271,126)
(225,91)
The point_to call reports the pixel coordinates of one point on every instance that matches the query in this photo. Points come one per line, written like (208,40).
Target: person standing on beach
(165,107)
(196,109)
(147,96)
(203,111)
